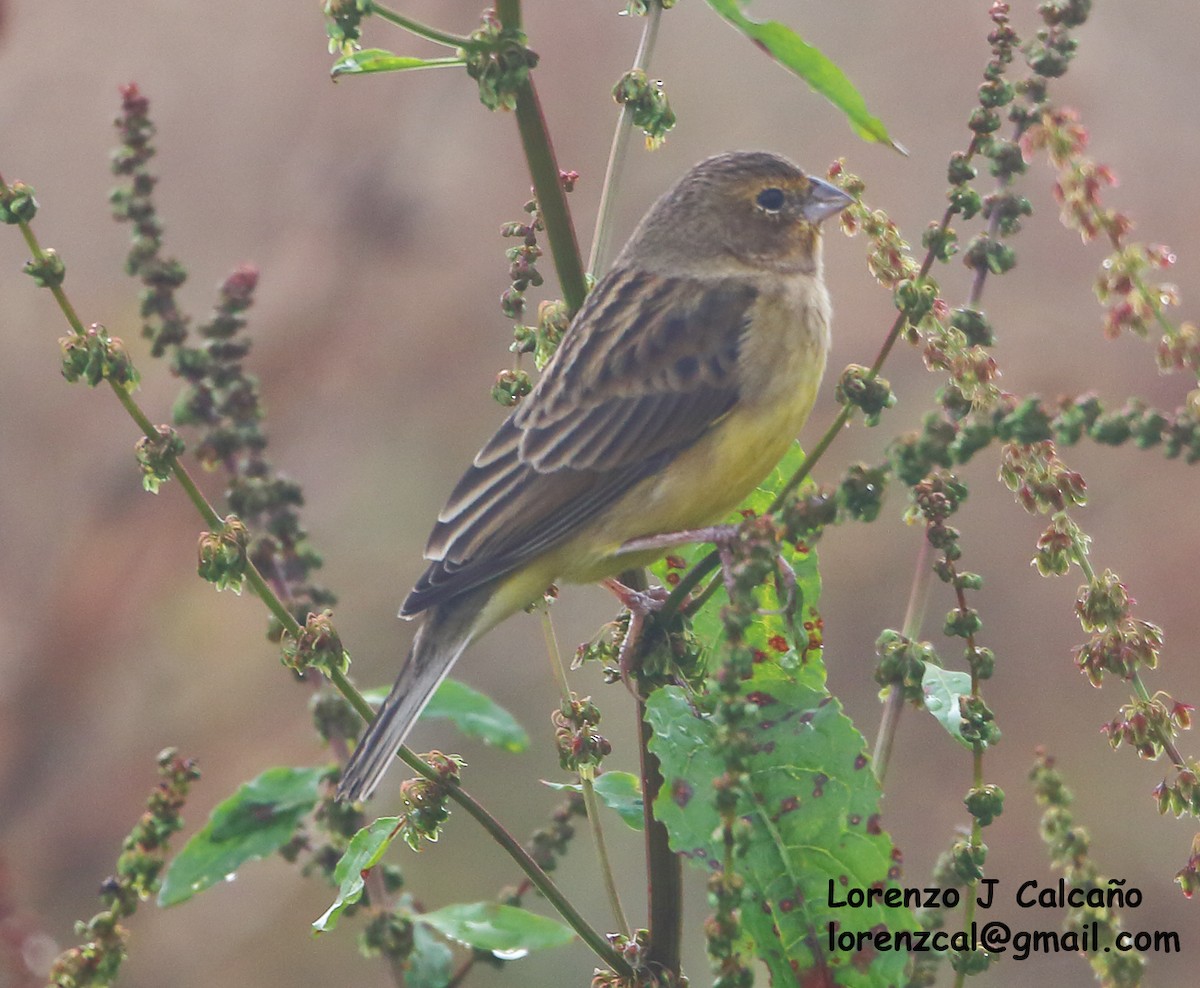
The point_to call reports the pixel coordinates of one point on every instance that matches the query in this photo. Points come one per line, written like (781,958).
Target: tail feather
(438,644)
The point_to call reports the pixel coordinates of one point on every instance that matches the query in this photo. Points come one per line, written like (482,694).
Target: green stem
(509,12)
(893,706)
(547,185)
(586,782)
(422,30)
(541,881)
(976,841)
(551,196)
(555,653)
(599,259)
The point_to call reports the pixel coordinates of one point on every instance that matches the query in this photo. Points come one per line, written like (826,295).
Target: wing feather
(647,367)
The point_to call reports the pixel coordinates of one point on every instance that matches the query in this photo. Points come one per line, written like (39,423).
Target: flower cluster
(221,398)
(648,104)
(553,316)
(499,62)
(579,744)
(426,804)
(1070,848)
(143,856)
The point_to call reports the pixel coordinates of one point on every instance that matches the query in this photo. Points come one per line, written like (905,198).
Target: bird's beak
(824,200)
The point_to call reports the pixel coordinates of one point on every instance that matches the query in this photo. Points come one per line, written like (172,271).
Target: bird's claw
(639,603)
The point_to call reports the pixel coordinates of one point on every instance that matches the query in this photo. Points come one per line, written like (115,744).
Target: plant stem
(586,783)
(551,197)
(547,185)
(893,706)
(541,881)
(664,870)
(422,30)
(555,653)
(599,259)
(976,841)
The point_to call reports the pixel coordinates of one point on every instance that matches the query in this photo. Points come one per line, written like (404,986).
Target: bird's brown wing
(647,367)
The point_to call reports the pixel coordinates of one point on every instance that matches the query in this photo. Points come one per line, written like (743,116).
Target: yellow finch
(681,382)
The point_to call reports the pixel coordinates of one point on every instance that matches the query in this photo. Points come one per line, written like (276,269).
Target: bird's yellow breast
(780,365)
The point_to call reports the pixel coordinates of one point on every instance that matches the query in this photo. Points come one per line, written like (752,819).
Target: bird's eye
(771,200)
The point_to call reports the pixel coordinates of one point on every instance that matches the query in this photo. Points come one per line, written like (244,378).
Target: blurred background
(373,209)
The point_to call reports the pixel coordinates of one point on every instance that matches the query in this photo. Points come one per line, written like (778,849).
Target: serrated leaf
(943,689)
(475,714)
(620,791)
(506,931)
(823,75)
(363,853)
(378,60)
(813,815)
(254,822)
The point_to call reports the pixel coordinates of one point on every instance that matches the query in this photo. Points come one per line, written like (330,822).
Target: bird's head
(739,210)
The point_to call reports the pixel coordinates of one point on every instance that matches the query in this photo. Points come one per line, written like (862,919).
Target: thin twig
(587,785)
(599,259)
(911,629)
(422,30)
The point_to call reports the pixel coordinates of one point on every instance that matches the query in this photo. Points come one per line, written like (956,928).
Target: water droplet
(510,955)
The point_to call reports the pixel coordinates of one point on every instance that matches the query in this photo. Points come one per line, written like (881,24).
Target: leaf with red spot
(813,813)
(788,630)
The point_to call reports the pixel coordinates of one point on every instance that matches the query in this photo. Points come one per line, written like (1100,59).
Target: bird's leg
(721,536)
(717,534)
(639,603)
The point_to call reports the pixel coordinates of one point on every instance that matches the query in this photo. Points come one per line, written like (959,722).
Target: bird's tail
(441,639)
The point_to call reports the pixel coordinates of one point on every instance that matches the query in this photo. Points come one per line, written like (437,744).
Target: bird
(685,376)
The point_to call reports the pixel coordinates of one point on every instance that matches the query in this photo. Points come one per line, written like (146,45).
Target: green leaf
(506,931)
(430,963)
(378,60)
(943,689)
(254,822)
(363,853)
(813,815)
(477,715)
(620,791)
(789,50)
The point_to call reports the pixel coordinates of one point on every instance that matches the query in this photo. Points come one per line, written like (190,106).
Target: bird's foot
(717,534)
(639,603)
